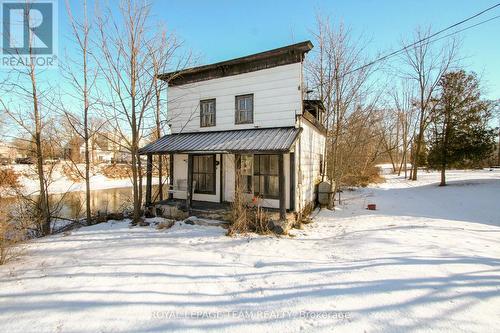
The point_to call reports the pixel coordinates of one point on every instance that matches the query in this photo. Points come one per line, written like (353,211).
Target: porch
(198,208)
(212,210)
(211,166)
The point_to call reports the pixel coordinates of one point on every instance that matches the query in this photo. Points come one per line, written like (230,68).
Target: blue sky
(223,29)
(220,30)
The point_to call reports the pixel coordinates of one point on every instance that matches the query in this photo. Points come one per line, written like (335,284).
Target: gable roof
(277,57)
(278,139)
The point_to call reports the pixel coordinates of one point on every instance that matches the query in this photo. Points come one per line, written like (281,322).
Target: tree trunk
(43,203)
(135,185)
(498,162)
(135,131)
(158,136)
(418,147)
(88,212)
(443,175)
(140,176)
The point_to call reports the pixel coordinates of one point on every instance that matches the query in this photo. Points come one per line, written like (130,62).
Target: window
(266,176)
(207,113)
(204,174)
(244,109)
(246,173)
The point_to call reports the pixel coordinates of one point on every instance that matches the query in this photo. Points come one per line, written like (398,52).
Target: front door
(204,174)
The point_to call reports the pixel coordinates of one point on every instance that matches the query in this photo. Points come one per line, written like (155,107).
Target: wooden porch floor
(197,205)
(205,205)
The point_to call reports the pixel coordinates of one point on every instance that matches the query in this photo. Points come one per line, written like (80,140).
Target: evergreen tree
(460,132)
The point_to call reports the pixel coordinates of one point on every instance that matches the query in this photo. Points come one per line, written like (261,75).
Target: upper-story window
(244,109)
(207,113)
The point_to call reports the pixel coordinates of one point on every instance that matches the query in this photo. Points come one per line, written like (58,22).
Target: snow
(428,259)
(61,184)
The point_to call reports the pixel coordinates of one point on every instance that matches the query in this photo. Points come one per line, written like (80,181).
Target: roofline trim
(283,55)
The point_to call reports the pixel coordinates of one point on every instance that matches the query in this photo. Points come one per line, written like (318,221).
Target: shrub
(10,238)
(369,176)
(73,173)
(248,216)
(9,179)
(117,171)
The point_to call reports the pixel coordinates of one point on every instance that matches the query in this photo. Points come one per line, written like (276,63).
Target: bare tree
(127,63)
(82,79)
(24,87)
(337,75)
(163,55)
(426,64)
(403,100)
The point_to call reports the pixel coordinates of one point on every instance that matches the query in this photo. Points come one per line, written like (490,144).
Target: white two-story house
(249,117)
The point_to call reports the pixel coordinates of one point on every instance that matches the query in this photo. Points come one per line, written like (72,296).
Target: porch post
(281,173)
(160,177)
(221,174)
(171,175)
(149,176)
(189,183)
(292,181)
(237,172)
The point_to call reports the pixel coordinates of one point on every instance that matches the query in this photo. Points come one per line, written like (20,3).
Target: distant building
(7,150)
(104,148)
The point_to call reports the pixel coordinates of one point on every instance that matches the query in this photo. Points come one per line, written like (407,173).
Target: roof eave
(189,75)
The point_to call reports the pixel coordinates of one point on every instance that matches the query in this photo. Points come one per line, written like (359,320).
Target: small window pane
(204,173)
(264,164)
(246,164)
(207,113)
(273,186)
(195,164)
(266,180)
(244,109)
(209,164)
(273,164)
(246,173)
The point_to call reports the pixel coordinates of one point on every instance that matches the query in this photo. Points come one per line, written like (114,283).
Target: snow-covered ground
(62,184)
(427,260)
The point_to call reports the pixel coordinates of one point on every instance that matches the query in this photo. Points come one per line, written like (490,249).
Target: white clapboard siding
(277,99)
(311,146)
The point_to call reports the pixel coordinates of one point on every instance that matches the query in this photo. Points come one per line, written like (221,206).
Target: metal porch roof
(278,139)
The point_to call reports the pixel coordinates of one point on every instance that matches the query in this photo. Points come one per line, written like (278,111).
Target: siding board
(277,99)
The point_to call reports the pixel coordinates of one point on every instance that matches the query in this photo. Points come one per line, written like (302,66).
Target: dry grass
(9,178)
(249,219)
(247,216)
(370,176)
(117,171)
(10,241)
(303,217)
(11,236)
(167,224)
(72,172)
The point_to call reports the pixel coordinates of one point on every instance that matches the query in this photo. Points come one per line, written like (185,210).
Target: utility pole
(498,115)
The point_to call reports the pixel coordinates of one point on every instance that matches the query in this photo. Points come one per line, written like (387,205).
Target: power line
(466,28)
(390,55)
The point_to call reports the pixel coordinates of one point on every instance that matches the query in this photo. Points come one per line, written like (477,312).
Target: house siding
(309,149)
(277,99)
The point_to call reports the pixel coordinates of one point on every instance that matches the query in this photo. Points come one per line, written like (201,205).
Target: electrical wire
(394,53)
